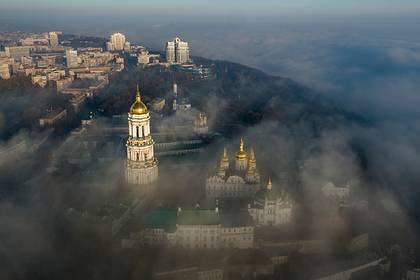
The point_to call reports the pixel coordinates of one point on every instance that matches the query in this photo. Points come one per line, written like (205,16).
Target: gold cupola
(241,154)
(224,162)
(138,107)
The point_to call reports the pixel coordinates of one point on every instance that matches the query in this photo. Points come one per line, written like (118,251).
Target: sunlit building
(5,71)
(239,178)
(141,166)
(53,39)
(18,52)
(71,58)
(177,51)
(117,42)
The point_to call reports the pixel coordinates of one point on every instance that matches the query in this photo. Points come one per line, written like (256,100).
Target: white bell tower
(141,166)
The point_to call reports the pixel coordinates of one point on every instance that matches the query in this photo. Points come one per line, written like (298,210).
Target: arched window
(137,131)
(137,156)
(142,131)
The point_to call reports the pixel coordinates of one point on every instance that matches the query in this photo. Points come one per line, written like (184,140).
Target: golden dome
(241,154)
(138,107)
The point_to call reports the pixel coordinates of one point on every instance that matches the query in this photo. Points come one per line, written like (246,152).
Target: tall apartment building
(71,58)
(18,52)
(53,39)
(177,51)
(117,42)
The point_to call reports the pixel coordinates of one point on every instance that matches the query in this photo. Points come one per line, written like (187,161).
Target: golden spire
(138,107)
(269,184)
(138,98)
(225,155)
(241,154)
(224,162)
(252,155)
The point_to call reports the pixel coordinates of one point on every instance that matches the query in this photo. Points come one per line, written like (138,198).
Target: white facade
(241,237)
(71,58)
(202,229)
(5,71)
(196,236)
(232,186)
(238,179)
(177,51)
(53,39)
(117,42)
(274,213)
(141,167)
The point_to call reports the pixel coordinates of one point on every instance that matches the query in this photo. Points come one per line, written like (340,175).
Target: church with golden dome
(239,178)
(141,166)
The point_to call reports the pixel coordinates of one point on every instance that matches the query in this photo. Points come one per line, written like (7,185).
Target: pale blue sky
(222,6)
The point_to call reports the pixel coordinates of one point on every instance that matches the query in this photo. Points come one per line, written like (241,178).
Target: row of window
(232,230)
(228,188)
(196,231)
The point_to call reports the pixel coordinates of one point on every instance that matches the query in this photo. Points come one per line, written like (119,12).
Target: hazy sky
(221,6)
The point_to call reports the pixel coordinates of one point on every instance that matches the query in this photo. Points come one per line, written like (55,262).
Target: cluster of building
(79,73)
(202,228)
(194,229)
(44,59)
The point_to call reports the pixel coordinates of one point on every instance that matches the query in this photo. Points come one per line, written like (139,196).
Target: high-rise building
(53,39)
(170,52)
(71,58)
(117,42)
(18,52)
(141,166)
(177,51)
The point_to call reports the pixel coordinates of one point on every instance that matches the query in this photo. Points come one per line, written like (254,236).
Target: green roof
(161,218)
(198,217)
